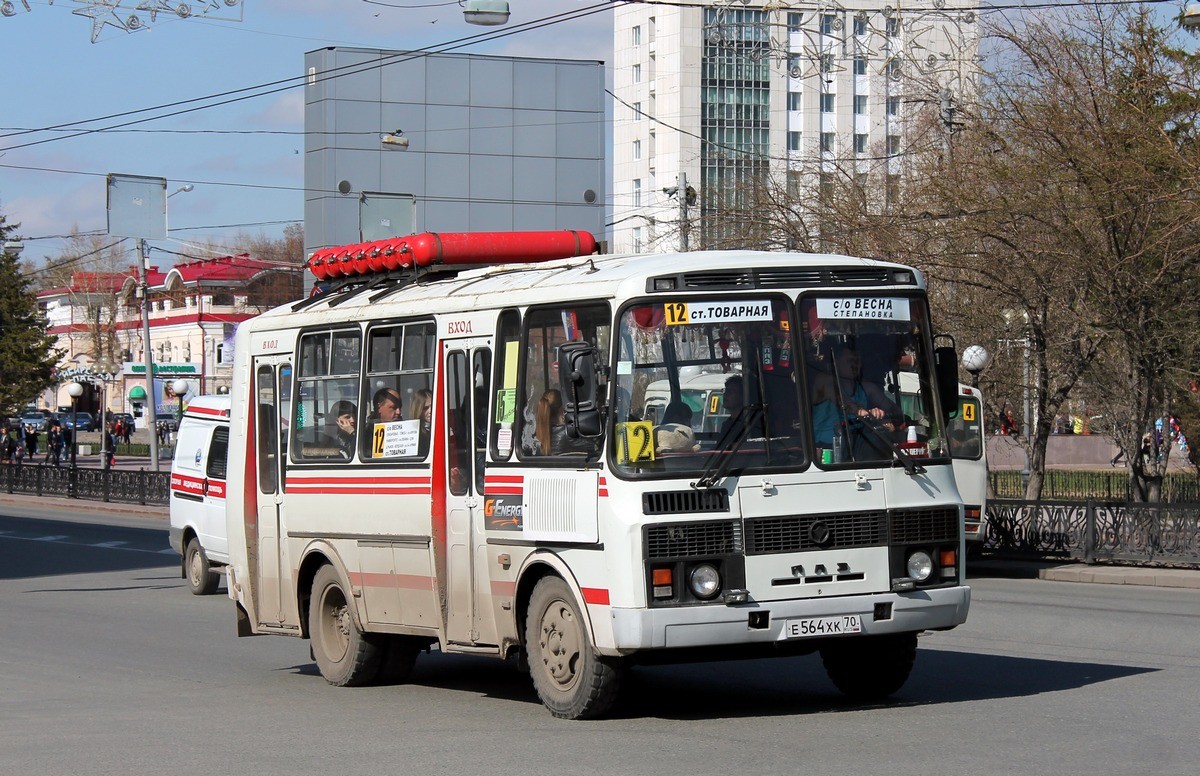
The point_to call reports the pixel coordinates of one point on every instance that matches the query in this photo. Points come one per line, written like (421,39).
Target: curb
(74,504)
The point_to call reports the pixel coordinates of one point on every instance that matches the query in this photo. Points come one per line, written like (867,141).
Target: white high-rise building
(726,92)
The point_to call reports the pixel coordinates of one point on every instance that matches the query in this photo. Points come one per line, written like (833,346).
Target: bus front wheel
(346,656)
(870,668)
(570,678)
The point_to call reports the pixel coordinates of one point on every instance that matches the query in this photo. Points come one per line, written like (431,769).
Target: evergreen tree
(27,353)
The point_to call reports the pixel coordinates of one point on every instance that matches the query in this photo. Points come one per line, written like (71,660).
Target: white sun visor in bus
(881,308)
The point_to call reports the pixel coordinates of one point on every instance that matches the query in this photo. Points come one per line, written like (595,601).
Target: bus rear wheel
(346,656)
(570,678)
(870,668)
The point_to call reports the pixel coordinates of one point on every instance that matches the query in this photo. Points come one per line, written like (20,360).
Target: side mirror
(577,375)
(945,360)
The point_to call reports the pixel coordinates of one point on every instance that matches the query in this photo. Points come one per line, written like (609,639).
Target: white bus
(452,447)
(968,450)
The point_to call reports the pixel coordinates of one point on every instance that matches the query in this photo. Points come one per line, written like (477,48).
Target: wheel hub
(560,644)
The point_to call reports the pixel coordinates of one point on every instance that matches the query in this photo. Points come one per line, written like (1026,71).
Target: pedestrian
(31,442)
(127,430)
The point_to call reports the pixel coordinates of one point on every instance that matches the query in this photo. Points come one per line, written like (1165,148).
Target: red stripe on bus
(358,480)
(220,413)
(490,491)
(382,491)
(595,595)
(504,589)
(506,478)
(395,581)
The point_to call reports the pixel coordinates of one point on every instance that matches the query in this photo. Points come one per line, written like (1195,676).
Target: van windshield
(702,383)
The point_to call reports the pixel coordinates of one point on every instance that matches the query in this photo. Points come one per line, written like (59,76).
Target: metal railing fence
(115,485)
(1095,531)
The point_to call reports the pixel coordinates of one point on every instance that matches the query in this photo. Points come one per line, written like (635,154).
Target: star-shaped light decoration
(102,12)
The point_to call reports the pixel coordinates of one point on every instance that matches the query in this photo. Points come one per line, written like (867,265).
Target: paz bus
(453,445)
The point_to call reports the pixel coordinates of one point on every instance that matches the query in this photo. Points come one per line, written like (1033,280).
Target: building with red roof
(194,309)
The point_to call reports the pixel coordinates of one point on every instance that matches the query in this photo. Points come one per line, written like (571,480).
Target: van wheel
(571,679)
(346,656)
(200,578)
(870,668)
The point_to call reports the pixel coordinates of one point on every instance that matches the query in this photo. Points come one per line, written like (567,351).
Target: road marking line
(110,544)
(49,538)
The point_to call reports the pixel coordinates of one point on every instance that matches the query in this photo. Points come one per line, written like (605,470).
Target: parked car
(35,418)
(126,419)
(80,421)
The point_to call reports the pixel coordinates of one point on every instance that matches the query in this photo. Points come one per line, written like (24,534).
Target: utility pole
(681,192)
(151,418)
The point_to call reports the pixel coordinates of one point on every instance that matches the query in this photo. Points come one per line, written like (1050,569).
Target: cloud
(285,111)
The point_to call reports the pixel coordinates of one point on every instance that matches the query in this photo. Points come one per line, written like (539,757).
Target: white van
(198,493)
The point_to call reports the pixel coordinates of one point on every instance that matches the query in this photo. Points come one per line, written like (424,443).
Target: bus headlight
(920,565)
(704,581)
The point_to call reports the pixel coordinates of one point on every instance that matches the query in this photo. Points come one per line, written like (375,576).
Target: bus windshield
(702,382)
(869,376)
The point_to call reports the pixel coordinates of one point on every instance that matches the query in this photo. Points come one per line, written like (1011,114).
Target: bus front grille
(678,502)
(693,540)
(797,533)
(912,526)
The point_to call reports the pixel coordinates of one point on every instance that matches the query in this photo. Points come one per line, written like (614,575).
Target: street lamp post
(975,359)
(106,371)
(180,387)
(74,390)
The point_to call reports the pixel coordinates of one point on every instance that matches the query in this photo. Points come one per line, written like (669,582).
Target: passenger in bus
(421,409)
(345,416)
(861,400)
(675,434)
(387,403)
(733,399)
(551,428)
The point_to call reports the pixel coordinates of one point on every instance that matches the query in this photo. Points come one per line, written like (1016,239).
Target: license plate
(822,626)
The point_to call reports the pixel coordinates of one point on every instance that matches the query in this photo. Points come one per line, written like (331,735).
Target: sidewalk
(68,505)
(1081,572)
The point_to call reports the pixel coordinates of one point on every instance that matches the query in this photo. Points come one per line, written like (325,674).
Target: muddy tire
(201,579)
(346,656)
(570,678)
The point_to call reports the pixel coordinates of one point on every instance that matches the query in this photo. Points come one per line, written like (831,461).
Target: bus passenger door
(272,387)
(467,379)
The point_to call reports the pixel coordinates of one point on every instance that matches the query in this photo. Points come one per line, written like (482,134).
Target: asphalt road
(109,666)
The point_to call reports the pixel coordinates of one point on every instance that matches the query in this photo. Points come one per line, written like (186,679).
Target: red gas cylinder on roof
(448,249)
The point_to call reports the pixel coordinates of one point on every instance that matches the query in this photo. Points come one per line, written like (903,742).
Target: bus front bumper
(754,623)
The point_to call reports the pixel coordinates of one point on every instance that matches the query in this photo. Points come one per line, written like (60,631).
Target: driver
(860,400)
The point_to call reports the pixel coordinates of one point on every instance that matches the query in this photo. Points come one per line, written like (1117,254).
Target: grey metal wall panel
(403,172)
(443,216)
(490,217)
(316,86)
(447,80)
(575,87)
(533,85)
(535,132)
(534,179)
(491,177)
(447,129)
(447,175)
(472,162)
(360,168)
(535,217)
(491,83)
(404,79)
(574,176)
(491,131)
(358,75)
(579,135)
(358,126)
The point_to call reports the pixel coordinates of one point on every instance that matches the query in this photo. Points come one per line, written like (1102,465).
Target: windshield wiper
(721,458)
(911,467)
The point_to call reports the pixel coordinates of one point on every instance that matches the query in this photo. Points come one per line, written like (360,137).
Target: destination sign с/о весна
(883,308)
